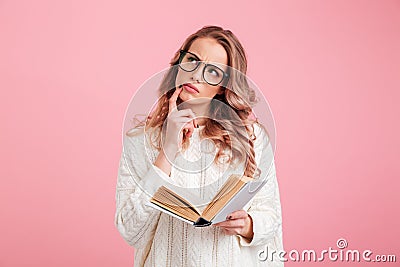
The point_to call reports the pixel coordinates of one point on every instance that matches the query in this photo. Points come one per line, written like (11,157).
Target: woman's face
(207,50)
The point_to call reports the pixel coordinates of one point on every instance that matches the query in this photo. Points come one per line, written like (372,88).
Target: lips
(191,86)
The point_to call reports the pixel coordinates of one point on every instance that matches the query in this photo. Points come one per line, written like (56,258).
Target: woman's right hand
(179,122)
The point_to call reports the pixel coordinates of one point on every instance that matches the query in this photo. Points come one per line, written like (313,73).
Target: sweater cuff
(261,230)
(245,242)
(154,178)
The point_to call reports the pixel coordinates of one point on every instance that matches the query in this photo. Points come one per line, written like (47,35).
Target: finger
(194,122)
(182,121)
(230,223)
(222,224)
(185,125)
(174,98)
(190,114)
(186,113)
(190,128)
(230,232)
(239,214)
(187,133)
(238,223)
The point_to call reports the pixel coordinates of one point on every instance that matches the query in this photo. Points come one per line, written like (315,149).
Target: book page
(240,200)
(168,200)
(169,213)
(233,185)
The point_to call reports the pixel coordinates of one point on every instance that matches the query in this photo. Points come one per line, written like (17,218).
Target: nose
(197,73)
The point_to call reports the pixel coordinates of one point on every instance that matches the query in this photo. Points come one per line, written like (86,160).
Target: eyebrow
(195,55)
(203,60)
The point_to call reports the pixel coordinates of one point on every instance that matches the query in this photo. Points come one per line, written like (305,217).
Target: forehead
(208,49)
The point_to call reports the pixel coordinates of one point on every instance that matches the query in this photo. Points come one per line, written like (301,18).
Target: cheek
(210,91)
(181,77)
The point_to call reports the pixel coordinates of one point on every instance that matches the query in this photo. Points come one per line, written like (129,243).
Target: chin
(184,96)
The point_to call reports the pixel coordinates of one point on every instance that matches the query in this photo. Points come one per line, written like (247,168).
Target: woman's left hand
(238,223)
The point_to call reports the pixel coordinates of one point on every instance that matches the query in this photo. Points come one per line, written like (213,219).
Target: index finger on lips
(173,99)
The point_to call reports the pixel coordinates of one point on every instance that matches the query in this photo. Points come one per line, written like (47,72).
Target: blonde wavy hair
(238,96)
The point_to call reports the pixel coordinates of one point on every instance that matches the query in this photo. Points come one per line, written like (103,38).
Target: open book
(234,194)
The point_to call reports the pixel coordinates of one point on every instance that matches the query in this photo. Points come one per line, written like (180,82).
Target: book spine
(201,222)
(168,212)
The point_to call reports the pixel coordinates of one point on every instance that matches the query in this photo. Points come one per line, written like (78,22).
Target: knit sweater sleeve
(135,221)
(265,208)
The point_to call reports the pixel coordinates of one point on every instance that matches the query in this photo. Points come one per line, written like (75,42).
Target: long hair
(238,96)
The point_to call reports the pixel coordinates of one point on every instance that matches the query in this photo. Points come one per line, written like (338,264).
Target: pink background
(329,69)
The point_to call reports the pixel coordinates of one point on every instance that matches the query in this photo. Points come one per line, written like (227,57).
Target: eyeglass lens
(211,73)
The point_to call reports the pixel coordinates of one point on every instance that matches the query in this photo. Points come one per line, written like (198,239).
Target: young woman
(202,97)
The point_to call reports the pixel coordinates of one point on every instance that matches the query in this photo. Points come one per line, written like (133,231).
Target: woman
(203,96)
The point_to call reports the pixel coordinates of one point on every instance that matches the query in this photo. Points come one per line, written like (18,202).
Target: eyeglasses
(212,74)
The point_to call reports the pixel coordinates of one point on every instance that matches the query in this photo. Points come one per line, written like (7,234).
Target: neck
(201,121)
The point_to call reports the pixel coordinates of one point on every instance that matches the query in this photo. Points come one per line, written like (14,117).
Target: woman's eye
(214,72)
(192,59)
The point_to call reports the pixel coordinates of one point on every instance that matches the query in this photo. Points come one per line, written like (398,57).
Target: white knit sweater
(162,240)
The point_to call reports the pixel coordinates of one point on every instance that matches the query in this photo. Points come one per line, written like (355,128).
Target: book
(233,195)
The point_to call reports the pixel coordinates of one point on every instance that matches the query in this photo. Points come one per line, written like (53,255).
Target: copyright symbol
(341,243)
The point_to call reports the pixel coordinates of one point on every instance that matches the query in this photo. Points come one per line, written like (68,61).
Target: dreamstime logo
(331,254)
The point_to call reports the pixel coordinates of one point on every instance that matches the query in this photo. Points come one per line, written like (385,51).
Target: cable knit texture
(162,240)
